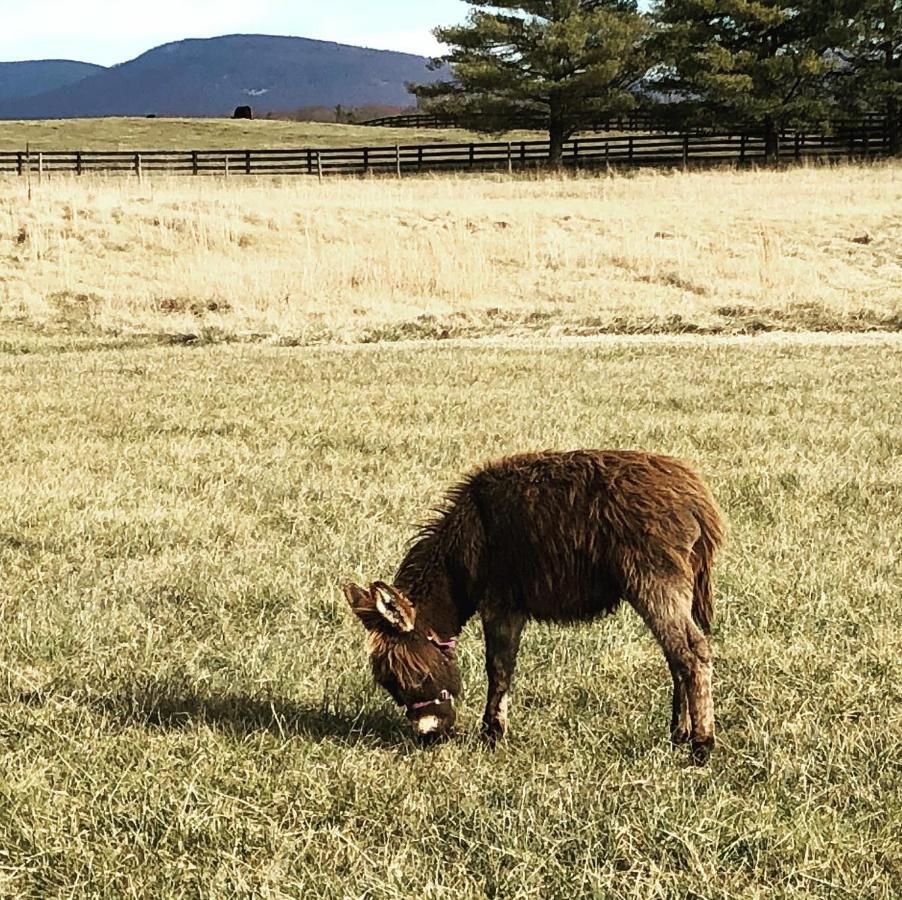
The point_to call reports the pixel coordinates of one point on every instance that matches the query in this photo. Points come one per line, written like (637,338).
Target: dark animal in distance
(553,537)
(243,112)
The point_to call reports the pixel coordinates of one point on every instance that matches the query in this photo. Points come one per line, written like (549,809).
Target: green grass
(185,708)
(213,134)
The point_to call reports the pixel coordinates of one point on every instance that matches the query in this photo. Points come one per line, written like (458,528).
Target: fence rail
(613,150)
(639,120)
(635,121)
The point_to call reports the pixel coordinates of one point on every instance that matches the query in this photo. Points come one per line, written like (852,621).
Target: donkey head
(410,662)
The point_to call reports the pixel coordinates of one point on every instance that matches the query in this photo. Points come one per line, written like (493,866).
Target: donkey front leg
(502,641)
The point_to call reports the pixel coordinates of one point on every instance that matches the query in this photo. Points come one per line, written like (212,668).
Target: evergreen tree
(869,43)
(747,63)
(559,62)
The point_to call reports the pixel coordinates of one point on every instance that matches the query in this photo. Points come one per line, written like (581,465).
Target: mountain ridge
(31,77)
(211,76)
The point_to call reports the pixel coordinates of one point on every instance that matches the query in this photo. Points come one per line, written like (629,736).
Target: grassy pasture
(374,259)
(128,133)
(184,704)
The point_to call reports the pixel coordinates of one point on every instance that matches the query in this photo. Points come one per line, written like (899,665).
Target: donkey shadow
(163,706)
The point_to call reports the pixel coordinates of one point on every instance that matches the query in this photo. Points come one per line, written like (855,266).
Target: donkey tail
(713,534)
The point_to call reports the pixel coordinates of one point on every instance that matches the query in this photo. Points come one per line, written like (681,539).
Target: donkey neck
(442,569)
(424,576)
(436,608)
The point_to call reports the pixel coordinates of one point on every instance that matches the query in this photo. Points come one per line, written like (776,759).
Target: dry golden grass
(367,259)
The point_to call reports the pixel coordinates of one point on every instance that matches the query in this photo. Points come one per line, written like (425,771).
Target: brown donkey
(559,537)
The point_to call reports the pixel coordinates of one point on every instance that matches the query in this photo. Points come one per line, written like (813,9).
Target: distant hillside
(211,77)
(26,79)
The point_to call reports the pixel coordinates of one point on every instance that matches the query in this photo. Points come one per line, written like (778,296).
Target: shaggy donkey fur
(560,537)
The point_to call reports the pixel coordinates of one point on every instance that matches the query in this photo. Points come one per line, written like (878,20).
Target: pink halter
(450,644)
(442,698)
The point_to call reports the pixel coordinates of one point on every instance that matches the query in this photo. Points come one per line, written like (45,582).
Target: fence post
(420,158)
(742,141)
(366,159)
(138,166)
(226,166)
(40,168)
(398,160)
(576,154)
(247,162)
(78,162)
(194,168)
(523,154)
(798,147)
(867,141)
(629,152)
(472,155)
(319,166)
(309,161)
(510,158)
(686,151)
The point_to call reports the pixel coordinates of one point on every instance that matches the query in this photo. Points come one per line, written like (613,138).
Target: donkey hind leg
(680,720)
(666,607)
(502,641)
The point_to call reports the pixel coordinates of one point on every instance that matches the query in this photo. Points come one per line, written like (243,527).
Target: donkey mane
(450,541)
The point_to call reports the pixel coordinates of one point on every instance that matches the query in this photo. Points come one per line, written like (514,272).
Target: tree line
(755,65)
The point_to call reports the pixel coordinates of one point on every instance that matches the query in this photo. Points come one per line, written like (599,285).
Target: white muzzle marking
(426,724)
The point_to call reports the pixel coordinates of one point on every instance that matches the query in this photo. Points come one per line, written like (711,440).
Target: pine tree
(560,62)
(869,43)
(747,63)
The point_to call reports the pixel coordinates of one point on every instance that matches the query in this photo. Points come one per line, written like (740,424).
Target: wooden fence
(639,120)
(615,150)
(636,121)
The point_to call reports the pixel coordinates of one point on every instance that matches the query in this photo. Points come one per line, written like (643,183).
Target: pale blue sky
(113,31)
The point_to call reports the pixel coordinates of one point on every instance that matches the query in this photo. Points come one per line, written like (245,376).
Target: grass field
(211,415)
(375,259)
(184,703)
(214,134)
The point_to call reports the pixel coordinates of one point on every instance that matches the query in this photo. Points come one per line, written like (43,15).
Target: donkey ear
(359,598)
(393,606)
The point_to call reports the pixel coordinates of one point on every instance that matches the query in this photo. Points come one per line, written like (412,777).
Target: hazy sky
(113,31)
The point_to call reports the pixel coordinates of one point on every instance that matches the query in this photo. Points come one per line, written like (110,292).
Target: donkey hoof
(491,733)
(700,750)
(679,736)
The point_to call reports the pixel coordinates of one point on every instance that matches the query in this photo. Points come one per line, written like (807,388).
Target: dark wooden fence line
(636,121)
(614,150)
(640,120)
